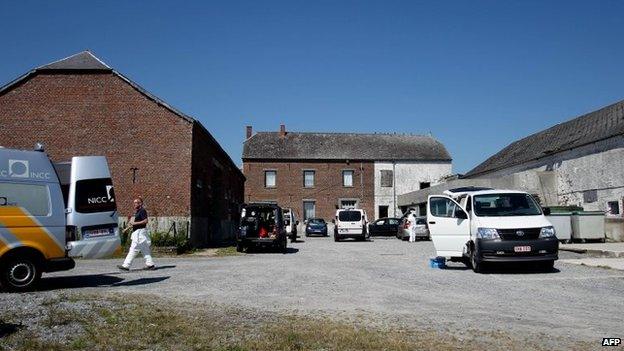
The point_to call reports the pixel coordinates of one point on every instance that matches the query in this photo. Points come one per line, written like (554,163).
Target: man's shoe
(122,268)
(150,268)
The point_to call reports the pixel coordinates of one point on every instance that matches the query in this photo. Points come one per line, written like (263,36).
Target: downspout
(394,188)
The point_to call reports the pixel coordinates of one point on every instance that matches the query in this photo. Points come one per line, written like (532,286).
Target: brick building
(81,106)
(315,173)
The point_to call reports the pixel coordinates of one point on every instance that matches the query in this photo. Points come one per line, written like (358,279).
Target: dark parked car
(262,224)
(385,226)
(316,226)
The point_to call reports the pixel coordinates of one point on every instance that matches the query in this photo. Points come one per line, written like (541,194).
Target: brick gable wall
(100,114)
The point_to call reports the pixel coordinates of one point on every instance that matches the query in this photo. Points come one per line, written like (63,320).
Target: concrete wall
(407,178)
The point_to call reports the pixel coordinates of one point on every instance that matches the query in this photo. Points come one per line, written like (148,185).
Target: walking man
(140,241)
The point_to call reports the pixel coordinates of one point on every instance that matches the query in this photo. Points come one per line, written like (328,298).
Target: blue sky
(476,74)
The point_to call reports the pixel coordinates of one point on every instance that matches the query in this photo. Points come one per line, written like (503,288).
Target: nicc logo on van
(21,169)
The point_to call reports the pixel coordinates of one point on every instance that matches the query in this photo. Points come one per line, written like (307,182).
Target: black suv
(261,225)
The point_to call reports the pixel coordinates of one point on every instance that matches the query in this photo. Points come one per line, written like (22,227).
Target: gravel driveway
(384,278)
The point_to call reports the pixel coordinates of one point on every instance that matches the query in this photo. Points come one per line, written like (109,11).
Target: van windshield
(511,204)
(349,216)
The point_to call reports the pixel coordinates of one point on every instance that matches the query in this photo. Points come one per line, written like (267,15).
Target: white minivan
(480,226)
(350,223)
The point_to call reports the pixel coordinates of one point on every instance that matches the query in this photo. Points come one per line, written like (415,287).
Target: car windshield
(510,204)
(349,216)
(317,221)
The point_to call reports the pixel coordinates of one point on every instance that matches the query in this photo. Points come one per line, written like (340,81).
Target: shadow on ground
(269,250)
(94,281)
(7,329)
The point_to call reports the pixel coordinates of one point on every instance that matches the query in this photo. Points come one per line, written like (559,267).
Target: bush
(164,239)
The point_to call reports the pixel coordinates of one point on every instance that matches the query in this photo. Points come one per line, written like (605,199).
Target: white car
(481,226)
(291,223)
(350,223)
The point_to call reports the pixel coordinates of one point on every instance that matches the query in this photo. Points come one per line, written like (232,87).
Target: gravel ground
(386,280)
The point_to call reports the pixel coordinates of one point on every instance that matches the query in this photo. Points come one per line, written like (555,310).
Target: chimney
(249,131)
(282,132)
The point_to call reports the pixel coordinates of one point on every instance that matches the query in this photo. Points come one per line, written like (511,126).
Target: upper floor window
(386,178)
(347,178)
(270,179)
(308,179)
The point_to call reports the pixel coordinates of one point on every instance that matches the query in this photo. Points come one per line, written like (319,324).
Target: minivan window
(349,216)
(510,204)
(35,198)
(95,195)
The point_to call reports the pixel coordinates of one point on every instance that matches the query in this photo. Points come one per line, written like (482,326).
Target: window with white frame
(308,179)
(347,178)
(270,179)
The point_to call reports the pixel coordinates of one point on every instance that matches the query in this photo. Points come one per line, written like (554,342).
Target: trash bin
(588,225)
(562,221)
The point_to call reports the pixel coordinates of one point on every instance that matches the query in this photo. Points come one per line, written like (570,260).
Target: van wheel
(477,267)
(239,247)
(20,274)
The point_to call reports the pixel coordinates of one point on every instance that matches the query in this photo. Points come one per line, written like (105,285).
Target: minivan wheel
(477,267)
(20,274)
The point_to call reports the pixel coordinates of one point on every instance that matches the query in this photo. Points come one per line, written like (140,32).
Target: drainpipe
(394,188)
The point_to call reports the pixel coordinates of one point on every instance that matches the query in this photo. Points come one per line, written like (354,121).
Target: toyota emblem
(519,233)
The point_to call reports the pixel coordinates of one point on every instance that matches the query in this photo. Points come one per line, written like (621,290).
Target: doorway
(383,211)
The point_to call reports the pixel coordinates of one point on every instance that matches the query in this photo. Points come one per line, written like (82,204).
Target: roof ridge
(350,133)
(81,60)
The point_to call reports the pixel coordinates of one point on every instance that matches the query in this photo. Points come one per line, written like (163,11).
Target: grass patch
(146,323)
(226,251)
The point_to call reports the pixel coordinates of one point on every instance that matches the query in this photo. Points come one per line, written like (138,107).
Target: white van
(350,223)
(479,226)
(50,214)
(291,223)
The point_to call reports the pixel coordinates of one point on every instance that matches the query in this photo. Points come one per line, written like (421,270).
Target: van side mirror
(334,221)
(547,211)
(461,215)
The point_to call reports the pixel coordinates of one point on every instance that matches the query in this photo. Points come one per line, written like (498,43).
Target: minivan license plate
(93,233)
(522,248)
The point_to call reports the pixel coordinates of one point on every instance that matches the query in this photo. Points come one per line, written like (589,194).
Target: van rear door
(449,230)
(92,219)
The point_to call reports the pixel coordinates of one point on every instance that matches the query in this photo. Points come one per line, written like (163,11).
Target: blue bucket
(437,262)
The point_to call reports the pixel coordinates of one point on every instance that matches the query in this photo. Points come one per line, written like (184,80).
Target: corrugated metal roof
(586,129)
(343,146)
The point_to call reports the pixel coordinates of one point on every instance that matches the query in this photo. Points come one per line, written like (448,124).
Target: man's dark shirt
(140,215)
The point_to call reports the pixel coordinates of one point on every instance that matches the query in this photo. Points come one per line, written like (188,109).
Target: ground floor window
(613,208)
(383,211)
(309,209)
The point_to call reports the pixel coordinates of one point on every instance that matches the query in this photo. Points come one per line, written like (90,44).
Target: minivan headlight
(487,233)
(547,232)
